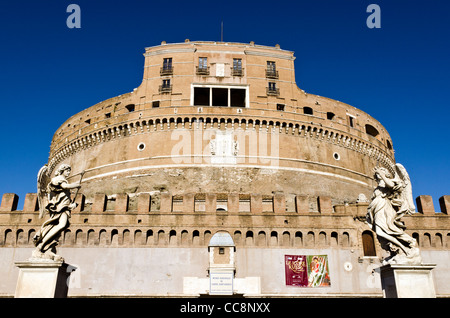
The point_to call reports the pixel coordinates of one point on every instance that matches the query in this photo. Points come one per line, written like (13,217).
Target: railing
(201,70)
(237,71)
(166,70)
(273,91)
(271,73)
(165,89)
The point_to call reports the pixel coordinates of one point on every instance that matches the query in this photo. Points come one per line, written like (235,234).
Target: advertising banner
(307,270)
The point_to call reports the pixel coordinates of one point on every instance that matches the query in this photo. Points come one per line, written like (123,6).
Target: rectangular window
(202,68)
(237,64)
(271,70)
(166,87)
(155,104)
(237,70)
(351,121)
(280,107)
(219,97)
(203,63)
(272,89)
(223,96)
(166,69)
(167,64)
(201,96)
(237,96)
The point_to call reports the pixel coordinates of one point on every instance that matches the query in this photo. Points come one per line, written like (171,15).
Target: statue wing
(407,190)
(43,180)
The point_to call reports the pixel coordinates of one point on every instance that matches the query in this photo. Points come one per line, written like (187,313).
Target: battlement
(163,219)
(165,202)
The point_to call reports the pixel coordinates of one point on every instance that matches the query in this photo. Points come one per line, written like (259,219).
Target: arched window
(372,131)
(368,244)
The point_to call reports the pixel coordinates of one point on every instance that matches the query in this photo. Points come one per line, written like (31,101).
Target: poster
(307,270)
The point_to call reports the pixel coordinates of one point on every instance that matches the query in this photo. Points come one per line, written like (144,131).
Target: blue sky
(398,74)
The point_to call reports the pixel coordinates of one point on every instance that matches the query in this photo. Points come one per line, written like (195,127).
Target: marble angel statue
(390,201)
(54,198)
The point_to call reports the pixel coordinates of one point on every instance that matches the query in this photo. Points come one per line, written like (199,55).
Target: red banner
(307,270)
(296,270)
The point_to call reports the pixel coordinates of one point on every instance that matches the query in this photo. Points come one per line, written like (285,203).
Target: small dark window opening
(307,110)
(130,108)
(220,97)
(237,96)
(155,104)
(221,250)
(108,115)
(368,244)
(351,121)
(280,107)
(372,131)
(87,121)
(330,115)
(389,145)
(201,96)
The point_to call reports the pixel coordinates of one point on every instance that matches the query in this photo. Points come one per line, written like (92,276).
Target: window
(237,96)
(108,115)
(372,131)
(271,71)
(237,67)
(201,96)
(167,64)
(202,62)
(272,89)
(330,115)
(130,108)
(202,68)
(221,250)
(307,110)
(389,145)
(219,96)
(166,87)
(155,104)
(167,69)
(368,244)
(280,107)
(351,121)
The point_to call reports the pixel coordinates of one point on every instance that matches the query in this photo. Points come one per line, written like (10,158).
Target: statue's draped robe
(58,203)
(383,211)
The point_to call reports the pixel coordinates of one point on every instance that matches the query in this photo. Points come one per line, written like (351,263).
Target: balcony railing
(201,70)
(237,71)
(166,70)
(270,73)
(165,89)
(273,91)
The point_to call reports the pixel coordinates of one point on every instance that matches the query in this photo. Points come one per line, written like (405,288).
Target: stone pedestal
(42,279)
(407,281)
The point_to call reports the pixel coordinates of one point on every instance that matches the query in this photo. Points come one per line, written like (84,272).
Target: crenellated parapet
(163,219)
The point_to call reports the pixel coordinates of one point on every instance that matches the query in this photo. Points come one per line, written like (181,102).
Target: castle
(219,163)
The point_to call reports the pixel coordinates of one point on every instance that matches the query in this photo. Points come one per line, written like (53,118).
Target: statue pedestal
(42,279)
(407,281)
